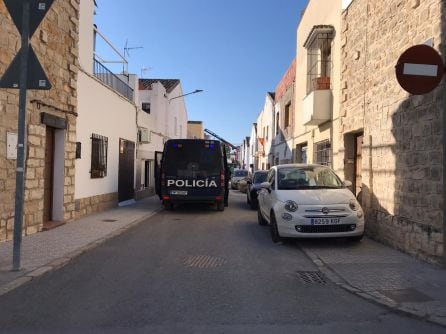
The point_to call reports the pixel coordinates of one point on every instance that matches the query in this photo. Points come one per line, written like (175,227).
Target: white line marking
(420,69)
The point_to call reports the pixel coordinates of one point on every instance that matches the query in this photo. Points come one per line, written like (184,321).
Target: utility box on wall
(11,146)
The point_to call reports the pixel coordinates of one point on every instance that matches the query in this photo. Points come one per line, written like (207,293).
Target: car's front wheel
(275,236)
(357,238)
(260,218)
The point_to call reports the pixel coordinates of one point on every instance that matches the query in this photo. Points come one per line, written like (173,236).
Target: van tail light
(219,198)
(166,198)
(222,177)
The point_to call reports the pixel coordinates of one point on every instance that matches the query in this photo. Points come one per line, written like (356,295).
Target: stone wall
(89,205)
(402,150)
(56,45)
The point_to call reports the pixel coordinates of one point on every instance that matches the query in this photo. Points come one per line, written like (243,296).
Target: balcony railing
(112,80)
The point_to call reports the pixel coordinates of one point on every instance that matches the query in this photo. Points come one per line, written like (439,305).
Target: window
(267,131)
(301,153)
(146,107)
(322,153)
(99,147)
(287,115)
(318,47)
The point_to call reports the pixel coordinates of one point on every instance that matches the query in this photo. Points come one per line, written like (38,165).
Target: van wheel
(220,206)
(168,205)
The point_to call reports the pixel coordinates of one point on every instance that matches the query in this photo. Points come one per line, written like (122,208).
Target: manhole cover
(204,261)
(109,220)
(311,277)
(406,296)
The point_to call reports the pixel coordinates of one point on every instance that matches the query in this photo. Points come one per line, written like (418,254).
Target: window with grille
(319,61)
(99,147)
(277,124)
(322,153)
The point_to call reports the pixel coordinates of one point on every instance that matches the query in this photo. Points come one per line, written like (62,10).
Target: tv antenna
(145,69)
(127,50)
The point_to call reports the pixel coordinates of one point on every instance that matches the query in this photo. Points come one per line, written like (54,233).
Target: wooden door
(358,164)
(48,177)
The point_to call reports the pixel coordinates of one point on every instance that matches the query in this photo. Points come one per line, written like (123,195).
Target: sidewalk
(383,275)
(46,251)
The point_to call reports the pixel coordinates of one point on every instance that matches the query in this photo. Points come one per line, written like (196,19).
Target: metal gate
(126,170)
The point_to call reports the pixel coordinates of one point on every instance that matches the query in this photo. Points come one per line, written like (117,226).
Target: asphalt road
(195,270)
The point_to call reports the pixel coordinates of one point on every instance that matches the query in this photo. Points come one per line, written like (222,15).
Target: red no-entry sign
(419,69)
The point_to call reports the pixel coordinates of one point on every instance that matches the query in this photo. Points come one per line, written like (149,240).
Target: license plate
(325,221)
(178,192)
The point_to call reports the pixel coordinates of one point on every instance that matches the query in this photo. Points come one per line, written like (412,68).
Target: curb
(336,278)
(67,258)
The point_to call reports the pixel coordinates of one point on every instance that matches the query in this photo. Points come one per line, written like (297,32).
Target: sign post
(25,72)
(419,70)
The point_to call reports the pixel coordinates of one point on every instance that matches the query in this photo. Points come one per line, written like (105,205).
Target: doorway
(126,176)
(48,178)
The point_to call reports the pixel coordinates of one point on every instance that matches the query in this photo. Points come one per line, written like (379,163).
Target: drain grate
(109,220)
(311,277)
(204,261)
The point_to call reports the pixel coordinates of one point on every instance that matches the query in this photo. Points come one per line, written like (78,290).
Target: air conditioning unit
(144,135)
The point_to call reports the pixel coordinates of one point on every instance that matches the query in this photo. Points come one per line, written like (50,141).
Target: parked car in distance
(239,174)
(254,186)
(243,185)
(309,201)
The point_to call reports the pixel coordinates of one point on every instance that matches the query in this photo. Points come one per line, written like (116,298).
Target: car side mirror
(348,183)
(266,185)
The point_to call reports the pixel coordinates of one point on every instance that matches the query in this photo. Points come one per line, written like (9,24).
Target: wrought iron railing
(112,80)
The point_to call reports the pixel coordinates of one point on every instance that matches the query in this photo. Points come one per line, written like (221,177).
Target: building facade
(265,126)
(51,123)
(107,132)
(195,130)
(317,97)
(392,140)
(282,143)
(162,115)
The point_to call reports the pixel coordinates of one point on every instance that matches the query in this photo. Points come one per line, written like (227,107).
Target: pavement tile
(377,272)
(46,251)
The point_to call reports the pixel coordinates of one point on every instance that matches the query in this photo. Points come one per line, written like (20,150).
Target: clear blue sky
(235,50)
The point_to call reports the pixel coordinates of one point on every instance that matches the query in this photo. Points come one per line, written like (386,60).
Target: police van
(192,171)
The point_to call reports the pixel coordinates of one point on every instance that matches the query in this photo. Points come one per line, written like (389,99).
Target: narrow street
(194,270)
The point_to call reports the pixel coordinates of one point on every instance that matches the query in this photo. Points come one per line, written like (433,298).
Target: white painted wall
(253,147)
(103,112)
(86,35)
(265,121)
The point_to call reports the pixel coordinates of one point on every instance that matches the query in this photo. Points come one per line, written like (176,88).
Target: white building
(162,115)
(106,128)
(265,128)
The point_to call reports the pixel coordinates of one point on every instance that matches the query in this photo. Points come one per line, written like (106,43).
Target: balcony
(112,80)
(318,104)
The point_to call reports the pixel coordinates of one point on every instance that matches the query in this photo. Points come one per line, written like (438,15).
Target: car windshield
(241,173)
(260,177)
(311,177)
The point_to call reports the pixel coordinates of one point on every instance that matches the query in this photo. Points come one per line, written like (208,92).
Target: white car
(309,201)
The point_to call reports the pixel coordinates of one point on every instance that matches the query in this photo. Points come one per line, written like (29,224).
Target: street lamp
(194,92)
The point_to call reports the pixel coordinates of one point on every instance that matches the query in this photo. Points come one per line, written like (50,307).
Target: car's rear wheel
(275,237)
(260,219)
(221,206)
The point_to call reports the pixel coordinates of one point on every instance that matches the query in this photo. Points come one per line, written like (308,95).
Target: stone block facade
(89,205)
(56,45)
(402,148)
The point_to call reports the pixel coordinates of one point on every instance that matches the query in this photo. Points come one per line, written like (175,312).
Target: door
(357,186)
(48,178)
(126,170)
(158,160)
